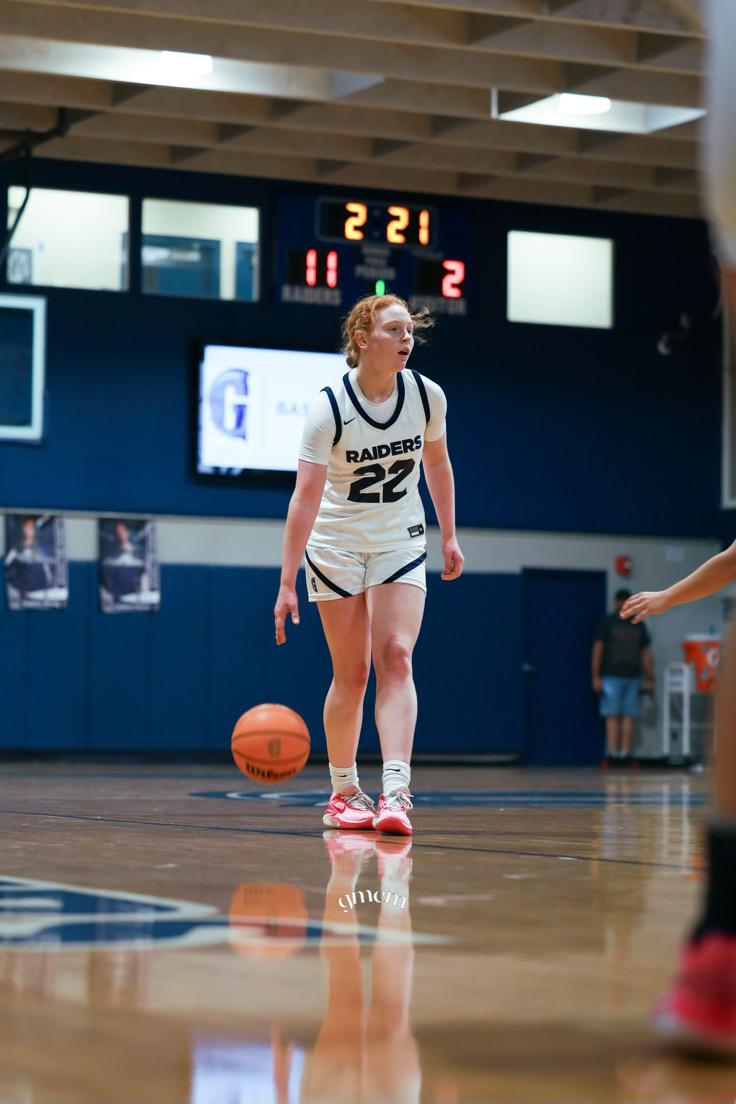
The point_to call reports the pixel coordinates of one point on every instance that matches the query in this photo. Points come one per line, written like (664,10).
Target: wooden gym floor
(163,941)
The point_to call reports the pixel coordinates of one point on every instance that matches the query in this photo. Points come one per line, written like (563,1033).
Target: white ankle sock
(342,777)
(396,775)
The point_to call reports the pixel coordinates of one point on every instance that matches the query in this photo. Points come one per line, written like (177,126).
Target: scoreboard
(333,251)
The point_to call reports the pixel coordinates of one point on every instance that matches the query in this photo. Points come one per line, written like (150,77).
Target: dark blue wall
(550,427)
(177,681)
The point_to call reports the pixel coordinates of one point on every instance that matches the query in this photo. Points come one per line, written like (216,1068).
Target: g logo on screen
(228,402)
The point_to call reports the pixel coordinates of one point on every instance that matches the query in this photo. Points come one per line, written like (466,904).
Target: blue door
(561,609)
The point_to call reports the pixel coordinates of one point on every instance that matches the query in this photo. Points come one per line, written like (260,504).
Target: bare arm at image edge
(711,576)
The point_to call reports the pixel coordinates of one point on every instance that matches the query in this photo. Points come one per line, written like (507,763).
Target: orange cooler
(705,652)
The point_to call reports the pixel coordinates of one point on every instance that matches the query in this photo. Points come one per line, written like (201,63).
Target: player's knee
(393,658)
(352,678)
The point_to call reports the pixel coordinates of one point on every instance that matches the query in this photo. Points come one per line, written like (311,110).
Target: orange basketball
(270,743)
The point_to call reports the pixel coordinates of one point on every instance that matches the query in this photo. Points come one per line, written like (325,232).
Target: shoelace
(398,799)
(356,799)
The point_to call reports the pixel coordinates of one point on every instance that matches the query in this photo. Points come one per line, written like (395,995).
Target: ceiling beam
(675,17)
(410,24)
(566,42)
(656,203)
(21,117)
(332,150)
(336,125)
(347,119)
(634,86)
(379,176)
(399,24)
(60,91)
(266,46)
(674,55)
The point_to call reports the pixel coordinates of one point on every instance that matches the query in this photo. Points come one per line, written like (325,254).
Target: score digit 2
(455,275)
(399,221)
(439,278)
(358,217)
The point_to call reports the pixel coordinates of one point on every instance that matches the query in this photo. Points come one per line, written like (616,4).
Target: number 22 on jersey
(375,474)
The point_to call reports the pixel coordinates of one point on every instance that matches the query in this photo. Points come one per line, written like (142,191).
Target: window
(560,279)
(199,249)
(68,239)
(22,365)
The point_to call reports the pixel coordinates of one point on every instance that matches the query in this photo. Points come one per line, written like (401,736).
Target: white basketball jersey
(371,499)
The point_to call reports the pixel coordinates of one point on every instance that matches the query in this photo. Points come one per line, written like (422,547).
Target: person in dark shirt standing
(621,654)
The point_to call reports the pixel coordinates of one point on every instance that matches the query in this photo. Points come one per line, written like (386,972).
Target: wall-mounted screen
(22,367)
(252,406)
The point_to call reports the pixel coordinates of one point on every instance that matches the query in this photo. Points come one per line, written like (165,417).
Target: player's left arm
(441,484)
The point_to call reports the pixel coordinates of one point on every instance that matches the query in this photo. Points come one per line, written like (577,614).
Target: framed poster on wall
(36,569)
(129,566)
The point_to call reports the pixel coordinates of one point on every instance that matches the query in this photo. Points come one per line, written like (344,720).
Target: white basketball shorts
(332,573)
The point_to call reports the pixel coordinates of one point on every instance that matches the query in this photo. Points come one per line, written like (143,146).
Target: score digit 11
(314,261)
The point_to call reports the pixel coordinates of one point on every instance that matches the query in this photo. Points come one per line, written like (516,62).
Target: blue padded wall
(14,630)
(178,641)
(176,681)
(59,674)
(467,666)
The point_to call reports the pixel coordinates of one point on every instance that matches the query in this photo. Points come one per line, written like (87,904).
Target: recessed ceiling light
(568,109)
(185,65)
(573,104)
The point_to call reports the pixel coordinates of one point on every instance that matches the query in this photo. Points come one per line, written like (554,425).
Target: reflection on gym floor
(207,949)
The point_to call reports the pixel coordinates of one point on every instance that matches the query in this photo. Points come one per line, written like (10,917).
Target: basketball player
(700,1008)
(357,511)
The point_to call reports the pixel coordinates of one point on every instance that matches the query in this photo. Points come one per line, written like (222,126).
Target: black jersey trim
(326,581)
(336,411)
(422,393)
(406,568)
(371,421)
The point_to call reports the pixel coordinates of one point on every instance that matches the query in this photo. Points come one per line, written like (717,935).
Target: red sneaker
(699,1011)
(349,809)
(391,817)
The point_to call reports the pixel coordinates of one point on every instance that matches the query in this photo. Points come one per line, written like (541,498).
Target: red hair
(363,315)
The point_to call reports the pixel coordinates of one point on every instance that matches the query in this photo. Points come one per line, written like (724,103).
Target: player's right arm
(303,508)
(715,573)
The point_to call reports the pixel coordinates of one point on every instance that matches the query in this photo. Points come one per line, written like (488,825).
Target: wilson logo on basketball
(270,743)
